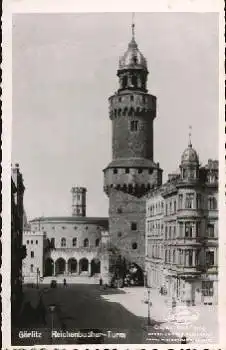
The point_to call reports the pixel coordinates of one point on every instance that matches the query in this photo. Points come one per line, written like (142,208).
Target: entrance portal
(83,265)
(49,267)
(60,266)
(95,266)
(72,265)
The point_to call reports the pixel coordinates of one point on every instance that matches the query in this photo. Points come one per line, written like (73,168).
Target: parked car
(53,284)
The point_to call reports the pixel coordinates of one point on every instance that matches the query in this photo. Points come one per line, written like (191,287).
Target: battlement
(78,189)
(132,104)
(33,233)
(136,181)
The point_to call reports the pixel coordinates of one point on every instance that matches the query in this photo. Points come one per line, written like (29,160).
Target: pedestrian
(174,304)
(183,340)
(100,282)
(65,282)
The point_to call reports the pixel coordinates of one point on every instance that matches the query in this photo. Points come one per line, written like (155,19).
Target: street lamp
(149,291)
(52,309)
(37,277)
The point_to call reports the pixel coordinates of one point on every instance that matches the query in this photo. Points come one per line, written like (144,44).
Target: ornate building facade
(132,171)
(64,245)
(18,251)
(182,232)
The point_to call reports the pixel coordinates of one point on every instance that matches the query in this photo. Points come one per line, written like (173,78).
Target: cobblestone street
(82,307)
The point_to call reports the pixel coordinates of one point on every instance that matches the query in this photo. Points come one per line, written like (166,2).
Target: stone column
(89,269)
(66,268)
(193,257)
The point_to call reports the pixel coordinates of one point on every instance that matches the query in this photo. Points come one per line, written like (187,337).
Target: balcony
(191,270)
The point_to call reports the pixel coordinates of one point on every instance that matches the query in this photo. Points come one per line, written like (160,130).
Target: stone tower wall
(125,209)
(123,110)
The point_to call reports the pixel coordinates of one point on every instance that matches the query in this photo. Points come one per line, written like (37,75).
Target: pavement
(198,323)
(116,316)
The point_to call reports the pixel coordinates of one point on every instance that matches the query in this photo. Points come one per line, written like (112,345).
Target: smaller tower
(78,201)
(190,163)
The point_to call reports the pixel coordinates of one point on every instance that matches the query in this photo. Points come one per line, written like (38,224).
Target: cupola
(189,163)
(132,71)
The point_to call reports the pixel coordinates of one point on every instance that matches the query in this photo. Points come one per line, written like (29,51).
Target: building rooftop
(73,219)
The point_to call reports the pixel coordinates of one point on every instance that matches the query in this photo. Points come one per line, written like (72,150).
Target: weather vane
(190,131)
(133,24)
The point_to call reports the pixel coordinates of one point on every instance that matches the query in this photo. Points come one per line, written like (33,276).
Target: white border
(57,6)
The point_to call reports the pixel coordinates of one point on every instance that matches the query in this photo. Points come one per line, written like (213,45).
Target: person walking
(65,282)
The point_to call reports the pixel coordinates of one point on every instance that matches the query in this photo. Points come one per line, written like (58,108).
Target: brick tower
(132,172)
(78,201)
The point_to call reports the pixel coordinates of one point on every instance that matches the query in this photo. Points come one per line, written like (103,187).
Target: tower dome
(189,156)
(132,71)
(132,58)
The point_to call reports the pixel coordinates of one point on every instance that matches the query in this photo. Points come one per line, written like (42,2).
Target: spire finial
(189,136)
(133,25)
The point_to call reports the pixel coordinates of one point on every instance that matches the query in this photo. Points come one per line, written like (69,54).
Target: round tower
(78,201)
(132,171)
(132,112)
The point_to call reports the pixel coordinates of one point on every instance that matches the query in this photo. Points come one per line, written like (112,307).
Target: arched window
(86,242)
(134,80)
(52,243)
(97,242)
(74,242)
(32,267)
(124,82)
(63,242)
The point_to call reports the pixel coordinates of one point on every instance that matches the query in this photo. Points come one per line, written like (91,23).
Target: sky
(64,70)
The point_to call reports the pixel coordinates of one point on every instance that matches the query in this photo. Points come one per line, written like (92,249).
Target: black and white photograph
(115,178)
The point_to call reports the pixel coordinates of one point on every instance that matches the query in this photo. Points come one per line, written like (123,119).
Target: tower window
(133,226)
(134,245)
(27,242)
(131,98)
(32,267)
(134,125)
(32,254)
(127,170)
(124,81)
(97,242)
(134,80)
(115,171)
(140,171)
(36,242)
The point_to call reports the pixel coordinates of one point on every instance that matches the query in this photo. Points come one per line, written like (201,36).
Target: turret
(78,201)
